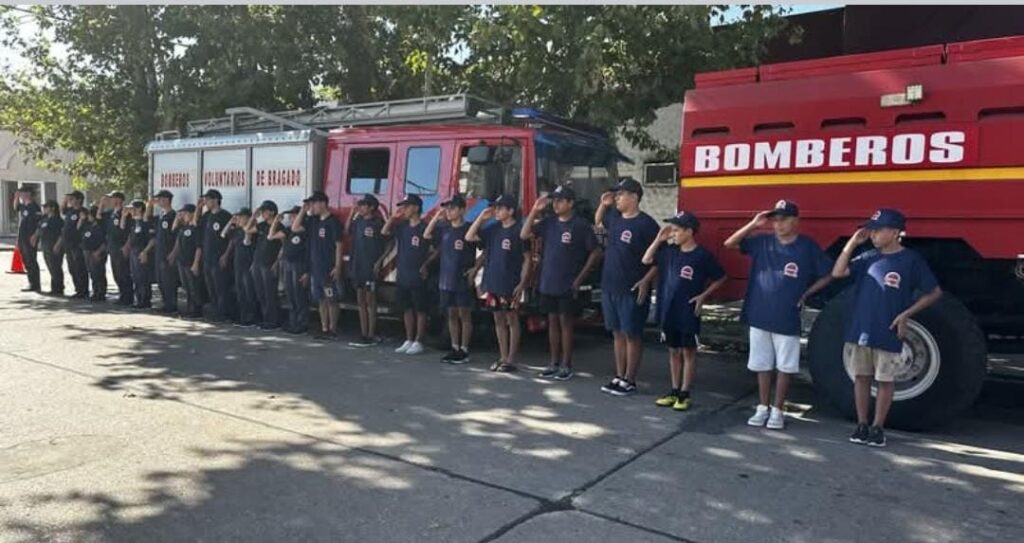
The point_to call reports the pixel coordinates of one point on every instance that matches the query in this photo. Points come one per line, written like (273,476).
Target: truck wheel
(946,363)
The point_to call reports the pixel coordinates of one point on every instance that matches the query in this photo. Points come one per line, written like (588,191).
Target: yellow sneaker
(668,400)
(682,403)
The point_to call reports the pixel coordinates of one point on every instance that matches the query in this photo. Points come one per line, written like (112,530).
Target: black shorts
(461,298)
(678,339)
(567,304)
(416,299)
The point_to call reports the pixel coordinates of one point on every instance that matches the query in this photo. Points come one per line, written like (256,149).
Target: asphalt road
(124,426)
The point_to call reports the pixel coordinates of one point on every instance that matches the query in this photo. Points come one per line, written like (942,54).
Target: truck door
(421,165)
(368,168)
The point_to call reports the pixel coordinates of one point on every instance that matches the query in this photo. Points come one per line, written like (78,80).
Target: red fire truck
(933,131)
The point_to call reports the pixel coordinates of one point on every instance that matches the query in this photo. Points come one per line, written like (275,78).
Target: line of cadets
(197,247)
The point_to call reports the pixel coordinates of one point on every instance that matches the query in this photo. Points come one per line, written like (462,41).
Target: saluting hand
(541,203)
(608,199)
(761,218)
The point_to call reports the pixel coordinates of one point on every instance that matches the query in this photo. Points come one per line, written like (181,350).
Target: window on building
(368,171)
(422,170)
(660,173)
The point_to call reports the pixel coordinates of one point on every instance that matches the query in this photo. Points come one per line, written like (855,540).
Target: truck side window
(422,169)
(368,171)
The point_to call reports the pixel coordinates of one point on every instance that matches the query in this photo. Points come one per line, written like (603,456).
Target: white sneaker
(760,416)
(777,420)
(414,348)
(405,347)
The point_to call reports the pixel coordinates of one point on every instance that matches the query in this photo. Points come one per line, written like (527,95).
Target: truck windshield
(590,170)
(501,175)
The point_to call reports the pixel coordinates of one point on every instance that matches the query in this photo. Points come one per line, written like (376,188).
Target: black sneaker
(549,372)
(452,354)
(860,435)
(362,342)
(625,388)
(612,385)
(461,357)
(876,437)
(564,374)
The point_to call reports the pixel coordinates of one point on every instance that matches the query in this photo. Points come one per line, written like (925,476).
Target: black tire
(962,368)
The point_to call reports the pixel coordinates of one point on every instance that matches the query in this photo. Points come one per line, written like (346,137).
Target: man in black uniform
(141,262)
(265,264)
(29,216)
(185,249)
(71,244)
(113,213)
(216,275)
(239,253)
(47,238)
(94,251)
(163,243)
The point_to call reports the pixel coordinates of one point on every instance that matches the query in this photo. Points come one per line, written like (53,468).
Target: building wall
(659,199)
(15,170)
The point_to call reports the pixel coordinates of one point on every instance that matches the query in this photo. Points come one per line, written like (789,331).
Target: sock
(465,349)
(455,347)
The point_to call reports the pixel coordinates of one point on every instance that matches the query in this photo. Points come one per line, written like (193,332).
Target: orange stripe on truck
(887,176)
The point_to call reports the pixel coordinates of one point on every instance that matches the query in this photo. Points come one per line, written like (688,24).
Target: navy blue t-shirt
(116,236)
(49,231)
(565,248)
(72,238)
(140,234)
(779,275)
(367,246)
(164,235)
(295,249)
(683,275)
(412,253)
(266,249)
(457,256)
(628,240)
(324,234)
(245,248)
(188,242)
(503,257)
(93,236)
(886,285)
(28,220)
(214,245)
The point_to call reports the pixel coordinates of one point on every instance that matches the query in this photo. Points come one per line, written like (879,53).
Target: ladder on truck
(452,108)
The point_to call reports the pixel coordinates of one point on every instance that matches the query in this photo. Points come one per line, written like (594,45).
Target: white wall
(13,168)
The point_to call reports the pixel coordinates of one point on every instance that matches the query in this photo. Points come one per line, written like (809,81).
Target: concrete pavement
(123,426)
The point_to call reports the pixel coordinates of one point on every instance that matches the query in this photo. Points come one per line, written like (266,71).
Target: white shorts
(770,351)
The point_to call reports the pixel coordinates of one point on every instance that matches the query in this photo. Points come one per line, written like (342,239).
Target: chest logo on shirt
(415,241)
(368,232)
(459,244)
(247,242)
(296,240)
(216,226)
(791,270)
(506,244)
(188,233)
(88,234)
(876,215)
(322,232)
(566,237)
(116,222)
(626,236)
(24,213)
(138,229)
(74,217)
(686,272)
(165,224)
(892,280)
(44,224)
(781,204)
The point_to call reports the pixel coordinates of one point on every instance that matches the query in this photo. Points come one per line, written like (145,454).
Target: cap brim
(782,213)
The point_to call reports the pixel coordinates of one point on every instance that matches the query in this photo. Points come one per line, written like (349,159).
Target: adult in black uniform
(47,239)
(94,251)
(185,248)
(71,244)
(240,250)
(216,273)
(264,268)
(139,236)
(294,261)
(161,214)
(113,213)
(29,215)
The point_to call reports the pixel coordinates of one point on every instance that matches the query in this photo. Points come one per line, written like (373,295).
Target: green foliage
(124,73)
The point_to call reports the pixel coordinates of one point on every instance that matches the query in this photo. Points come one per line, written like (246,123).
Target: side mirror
(480,155)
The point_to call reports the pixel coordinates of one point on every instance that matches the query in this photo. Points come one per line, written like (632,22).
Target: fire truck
(934,131)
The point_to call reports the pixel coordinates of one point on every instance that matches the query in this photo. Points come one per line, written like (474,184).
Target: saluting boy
(325,260)
(239,257)
(411,296)
(165,271)
(265,264)
(368,244)
(506,270)
(187,245)
(688,274)
(448,227)
(893,284)
(116,239)
(294,262)
(29,215)
(569,251)
(141,265)
(94,251)
(71,244)
(785,269)
(216,272)
(47,238)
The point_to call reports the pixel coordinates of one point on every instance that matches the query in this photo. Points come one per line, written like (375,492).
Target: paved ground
(120,426)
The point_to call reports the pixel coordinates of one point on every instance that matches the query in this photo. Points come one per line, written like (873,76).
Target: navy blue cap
(165,194)
(785,208)
(411,199)
(457,200)
(886,218)
(214,194)
(116,194)
(505,200)
(76,194)
(685,220)
(267,205)
(293,211)
(138,204)
(629,184)
(318,196)
(368,200)
(244,212)
(188,208)
(563,192)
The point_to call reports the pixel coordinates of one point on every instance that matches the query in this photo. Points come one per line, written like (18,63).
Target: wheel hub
(920,363)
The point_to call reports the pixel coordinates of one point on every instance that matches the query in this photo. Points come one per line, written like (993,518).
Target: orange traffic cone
(17,265)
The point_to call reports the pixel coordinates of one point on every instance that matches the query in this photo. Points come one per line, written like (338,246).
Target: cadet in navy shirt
(294,264)
(506,270)
(48,239)
(785,269)
(892,284)
(325,231)
(448,227)
(29,215)
(240,252)
(115,212)
(569,251)
(625,280)
(94,251)
(264,270)
(164,269)
(365,260)
(139,236)
(187,245)
(688,274)
(411,295)
(71,244)
(216,270)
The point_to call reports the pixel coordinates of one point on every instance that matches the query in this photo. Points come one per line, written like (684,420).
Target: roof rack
(447,108)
